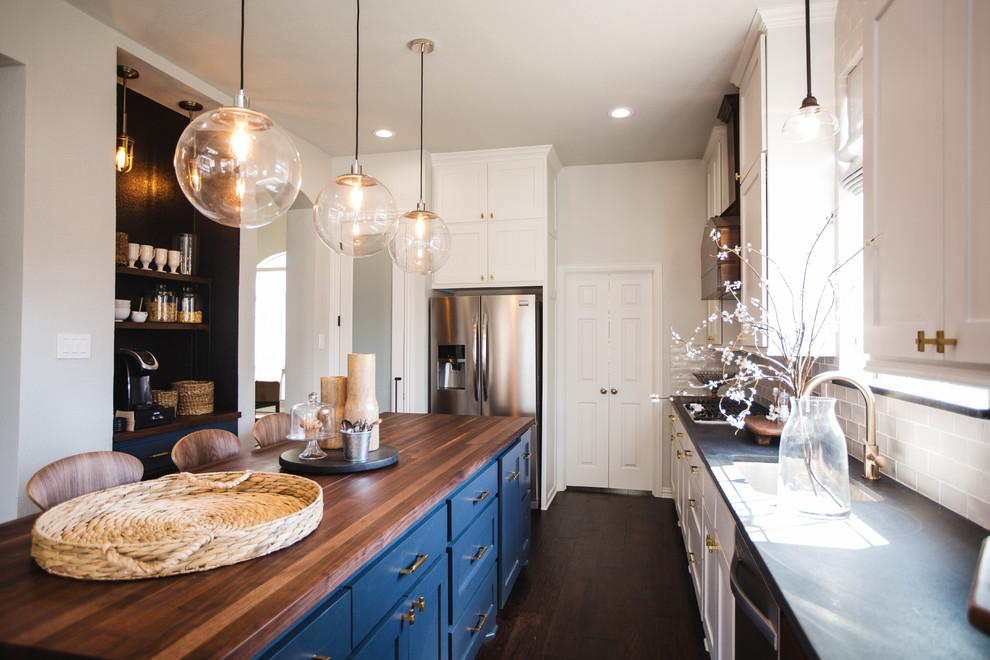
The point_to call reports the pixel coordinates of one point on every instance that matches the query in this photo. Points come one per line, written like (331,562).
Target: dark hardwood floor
(607,578)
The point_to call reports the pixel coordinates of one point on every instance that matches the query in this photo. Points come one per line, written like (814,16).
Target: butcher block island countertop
(235,611)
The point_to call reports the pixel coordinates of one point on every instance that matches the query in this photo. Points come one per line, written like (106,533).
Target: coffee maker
(132,388)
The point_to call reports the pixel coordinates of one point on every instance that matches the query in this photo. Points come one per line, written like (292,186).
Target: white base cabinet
(709,539)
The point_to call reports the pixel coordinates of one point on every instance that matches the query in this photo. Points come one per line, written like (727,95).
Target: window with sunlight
(269,318)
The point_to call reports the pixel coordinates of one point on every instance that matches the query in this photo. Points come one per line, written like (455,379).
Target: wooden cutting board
(764,430)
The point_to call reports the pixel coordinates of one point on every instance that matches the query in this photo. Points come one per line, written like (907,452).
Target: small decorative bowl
(139,317)
(120,313)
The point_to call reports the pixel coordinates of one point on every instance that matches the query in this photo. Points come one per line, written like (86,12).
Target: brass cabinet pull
(679,434)
(515,475)
(158,455)
(411,617)
(492,277)
(738,176)
(941,342)
(421,604)
(412,569)
(484,549)
(691,503)
(672,418)
(482,277)
(482,214)
(492,215)
(687,452)
(691,559)
(680,454)
(321,657)
(694,469)
(921,342)
(527,455)
(482,498)
(481,624)
(711,543)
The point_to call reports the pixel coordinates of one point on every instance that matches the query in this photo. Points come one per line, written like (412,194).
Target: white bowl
(139,317)
(121,313)
(122,303)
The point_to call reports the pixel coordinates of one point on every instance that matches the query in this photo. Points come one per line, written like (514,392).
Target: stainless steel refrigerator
(485,359)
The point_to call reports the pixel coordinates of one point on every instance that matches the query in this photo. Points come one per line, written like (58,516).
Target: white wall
(58,251)
(638,213)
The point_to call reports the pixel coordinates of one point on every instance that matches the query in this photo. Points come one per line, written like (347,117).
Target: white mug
(133,252)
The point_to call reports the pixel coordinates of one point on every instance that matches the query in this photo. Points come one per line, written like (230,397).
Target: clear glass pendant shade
(810,123)
(238,167)
(355,214)
(125,154)
(420,243)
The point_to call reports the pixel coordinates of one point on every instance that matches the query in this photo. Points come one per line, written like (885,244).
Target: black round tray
(334,463)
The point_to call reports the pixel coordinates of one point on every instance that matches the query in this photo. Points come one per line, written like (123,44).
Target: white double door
(609,371)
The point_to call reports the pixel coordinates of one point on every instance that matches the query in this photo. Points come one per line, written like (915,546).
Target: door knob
(604,391)
(615,391)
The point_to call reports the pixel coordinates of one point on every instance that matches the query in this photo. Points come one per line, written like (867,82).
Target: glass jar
(311,421)
(813,477)
(161,305)
(190,306)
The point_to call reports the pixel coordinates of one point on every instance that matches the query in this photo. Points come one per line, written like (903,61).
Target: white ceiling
(504,73)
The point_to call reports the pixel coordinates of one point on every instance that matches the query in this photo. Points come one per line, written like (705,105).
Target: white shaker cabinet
(716,161)
(496,205)
(927,156)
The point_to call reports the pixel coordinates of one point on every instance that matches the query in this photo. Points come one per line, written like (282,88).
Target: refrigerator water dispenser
(450,367)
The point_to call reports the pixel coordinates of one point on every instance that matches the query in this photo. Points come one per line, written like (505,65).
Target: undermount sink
(761,475)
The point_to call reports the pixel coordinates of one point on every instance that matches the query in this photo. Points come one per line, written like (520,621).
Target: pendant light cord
(242,45)
(422,55)
(357,75)
(807,41)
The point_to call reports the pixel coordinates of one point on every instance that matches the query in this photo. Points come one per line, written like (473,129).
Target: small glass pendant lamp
(125,145)
(236,165)
(420,243)
(810,122)
(355,213)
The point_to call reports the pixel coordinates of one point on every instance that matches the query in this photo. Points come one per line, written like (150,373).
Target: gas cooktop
(710,411)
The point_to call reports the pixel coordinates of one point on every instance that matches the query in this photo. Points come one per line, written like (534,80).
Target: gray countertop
(891,581)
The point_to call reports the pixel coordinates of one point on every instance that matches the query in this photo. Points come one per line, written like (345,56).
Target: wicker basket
(179,523)
(195,397)
(165,398)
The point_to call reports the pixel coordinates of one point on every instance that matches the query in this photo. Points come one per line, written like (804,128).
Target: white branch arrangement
(762,349)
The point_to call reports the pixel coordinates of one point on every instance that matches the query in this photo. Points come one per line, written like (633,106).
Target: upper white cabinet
(716,160)
(926,146)
(497,207)
(786,190)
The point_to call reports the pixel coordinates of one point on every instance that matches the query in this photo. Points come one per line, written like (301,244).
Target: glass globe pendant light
(236,165)
(125,145)
(355,213)
(810,122)
(420,243)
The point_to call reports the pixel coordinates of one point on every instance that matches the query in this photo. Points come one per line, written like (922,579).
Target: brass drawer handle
(484,496)
(527,455)
(412,569)
(672,418)
(694,469)
(515,475)
(158,455)
(687,452)
(691,503)
(711,543)
(421,604)
(484,549)
(411,617)
(321,657)
(691,559)
(481,624)
(680,454)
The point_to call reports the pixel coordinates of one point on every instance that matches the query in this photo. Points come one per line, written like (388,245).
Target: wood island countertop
(235,611)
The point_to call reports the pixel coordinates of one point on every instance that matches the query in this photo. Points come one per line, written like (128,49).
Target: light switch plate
(73,347)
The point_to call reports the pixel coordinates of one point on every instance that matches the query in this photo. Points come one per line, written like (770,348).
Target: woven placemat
(180,523)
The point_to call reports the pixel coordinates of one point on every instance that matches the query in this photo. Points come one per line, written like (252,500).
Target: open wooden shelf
(158,275)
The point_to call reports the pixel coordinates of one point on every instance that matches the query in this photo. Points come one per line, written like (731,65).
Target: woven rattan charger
(180,523)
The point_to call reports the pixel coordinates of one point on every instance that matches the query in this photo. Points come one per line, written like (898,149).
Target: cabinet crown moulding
(778,17)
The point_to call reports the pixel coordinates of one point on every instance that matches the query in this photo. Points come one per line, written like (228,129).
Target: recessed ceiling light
(384,133)
(619,113)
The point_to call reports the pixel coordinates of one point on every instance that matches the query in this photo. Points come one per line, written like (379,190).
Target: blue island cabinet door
(417,628)
(510,544)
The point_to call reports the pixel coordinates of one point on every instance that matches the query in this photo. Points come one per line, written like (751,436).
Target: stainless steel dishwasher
(757,612)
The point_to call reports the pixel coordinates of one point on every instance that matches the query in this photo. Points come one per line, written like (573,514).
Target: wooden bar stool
(77,475)
(203,447)
(271,429)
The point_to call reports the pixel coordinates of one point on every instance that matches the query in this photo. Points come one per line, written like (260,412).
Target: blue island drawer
(471,498)
(471,557)
(476,621)
(393,575)
(326,632)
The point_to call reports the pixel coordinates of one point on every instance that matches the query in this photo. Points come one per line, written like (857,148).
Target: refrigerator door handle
(476,375)
(484,357)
